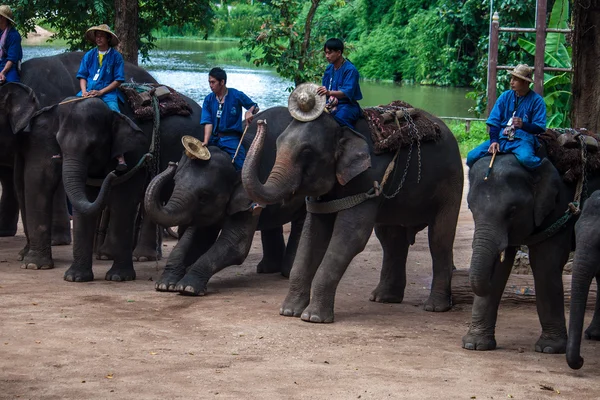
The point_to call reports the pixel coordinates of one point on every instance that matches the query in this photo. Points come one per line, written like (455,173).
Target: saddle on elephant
(399,124)
(139,96)
(572,151)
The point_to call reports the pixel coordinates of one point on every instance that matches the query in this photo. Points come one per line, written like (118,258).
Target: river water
(183,65)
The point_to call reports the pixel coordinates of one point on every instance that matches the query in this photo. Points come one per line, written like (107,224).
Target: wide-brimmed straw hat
(523,71)
(194,148)
(7,13)
(90,34)
(305,104)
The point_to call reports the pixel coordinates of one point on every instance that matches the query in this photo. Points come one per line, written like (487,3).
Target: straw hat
(7,13)
(522,71)
(90,34)
(305,104)
(194,148)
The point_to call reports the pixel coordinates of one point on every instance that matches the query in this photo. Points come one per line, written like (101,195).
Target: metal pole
(540,47)
(492,63)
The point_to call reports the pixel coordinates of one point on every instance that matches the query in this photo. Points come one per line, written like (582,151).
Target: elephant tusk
(502,256)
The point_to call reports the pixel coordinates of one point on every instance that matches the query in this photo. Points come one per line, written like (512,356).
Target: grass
(233,54)
(468,141)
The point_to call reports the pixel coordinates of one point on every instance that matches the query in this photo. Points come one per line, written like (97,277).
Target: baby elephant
(586,266)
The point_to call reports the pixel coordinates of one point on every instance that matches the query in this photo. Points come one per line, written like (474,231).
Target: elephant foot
(104,256)
(294,305)
(78,274)
(266,266)
(472,341)
(191,285)
(61,239)
(169,279)
(438,302)
(317,314)
(120,273)
(23,253)
(592,332)
(37,261)
(551,345)
(143,254)
(386,294)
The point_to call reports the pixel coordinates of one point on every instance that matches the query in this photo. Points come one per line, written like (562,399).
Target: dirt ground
(108,340)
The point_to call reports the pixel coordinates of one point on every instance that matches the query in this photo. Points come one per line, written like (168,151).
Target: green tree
(71,18)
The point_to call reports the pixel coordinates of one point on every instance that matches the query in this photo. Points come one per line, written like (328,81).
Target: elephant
(586,266)
(516,207)
(326,161)
(172,128)
(211,206)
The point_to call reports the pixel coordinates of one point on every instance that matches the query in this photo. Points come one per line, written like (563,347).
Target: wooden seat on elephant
(399,124)
(568,159)
(139,96)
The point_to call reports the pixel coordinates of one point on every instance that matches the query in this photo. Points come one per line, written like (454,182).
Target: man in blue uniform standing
(101,72)
(221,116)
(518,115)
(340,85)
(11,52)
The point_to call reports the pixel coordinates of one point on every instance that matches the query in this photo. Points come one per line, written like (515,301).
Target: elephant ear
(545,191)
(21,103)
(239,200)
(126,135)
(353,156)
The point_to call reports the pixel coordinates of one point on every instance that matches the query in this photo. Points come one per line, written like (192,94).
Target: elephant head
(311,158)
(205,191)
(506,209)
(18,103)
(90,136)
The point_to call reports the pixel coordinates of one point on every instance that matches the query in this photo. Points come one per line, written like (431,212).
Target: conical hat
(7,13)
(90,34)
(305,104)
(194,148)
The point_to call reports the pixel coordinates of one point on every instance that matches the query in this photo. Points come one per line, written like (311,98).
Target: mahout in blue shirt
(12,51)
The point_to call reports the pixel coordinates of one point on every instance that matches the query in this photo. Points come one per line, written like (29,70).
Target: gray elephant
(323,160)
(586,266)
(511,208)
(213,209)
(172,129)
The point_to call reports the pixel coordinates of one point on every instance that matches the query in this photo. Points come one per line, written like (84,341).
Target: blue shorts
(229,145)
(346,114)
(524,151)
(113,105)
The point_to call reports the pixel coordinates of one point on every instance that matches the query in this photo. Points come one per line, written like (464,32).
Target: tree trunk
(306,42)
(126,28)
(586,53)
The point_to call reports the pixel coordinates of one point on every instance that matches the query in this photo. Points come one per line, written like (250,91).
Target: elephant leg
(193,243)
(149,244)
(392,281)
(351,232)
(593,331)
(20,191)
(83,241)
(9,205)
(312,247)
(123,204)
(547,262)
(441,240)
(273,251)
(481,334)
(61,223)
(231,248)
(292,246)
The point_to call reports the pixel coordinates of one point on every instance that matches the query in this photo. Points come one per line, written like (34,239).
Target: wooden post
(540,47)
(492,63)
(467,125)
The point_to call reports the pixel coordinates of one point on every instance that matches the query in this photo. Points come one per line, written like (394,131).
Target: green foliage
(467,141)
(71,18)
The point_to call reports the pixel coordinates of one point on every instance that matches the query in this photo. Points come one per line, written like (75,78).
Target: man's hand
(93,93)
(494,148)
(322,91)
(249,117)
(517,122)
(2,78)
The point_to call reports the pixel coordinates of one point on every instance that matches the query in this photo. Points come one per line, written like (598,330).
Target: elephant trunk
(282,181)
(487,246)
(175,212)
(74,179)
(583,273)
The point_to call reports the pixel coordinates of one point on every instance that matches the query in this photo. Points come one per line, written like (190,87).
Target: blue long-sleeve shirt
(12,51)
(112,69)
(345,79)
(530,108)
(231,111)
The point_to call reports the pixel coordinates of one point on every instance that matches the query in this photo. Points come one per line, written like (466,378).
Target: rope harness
(573,208)
(316,206)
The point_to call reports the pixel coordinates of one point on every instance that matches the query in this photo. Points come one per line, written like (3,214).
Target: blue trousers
(229,145)
(346,114)
(113,105)
(523,150)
